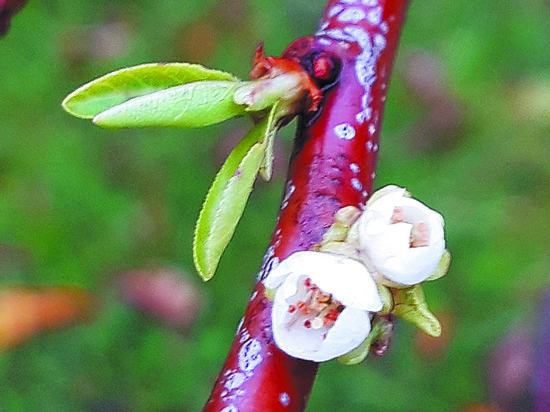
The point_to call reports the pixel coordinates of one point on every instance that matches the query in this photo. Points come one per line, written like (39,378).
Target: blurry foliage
(79,204)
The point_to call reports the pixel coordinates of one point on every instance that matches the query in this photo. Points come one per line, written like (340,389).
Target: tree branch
(332,166)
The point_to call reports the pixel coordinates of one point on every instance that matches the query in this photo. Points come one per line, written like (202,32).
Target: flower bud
(263,93)
(322,305)
(278,80)
(401,239)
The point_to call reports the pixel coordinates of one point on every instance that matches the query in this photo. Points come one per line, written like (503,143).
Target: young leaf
(190,105)
(266,168)
(227,198)
(122,85)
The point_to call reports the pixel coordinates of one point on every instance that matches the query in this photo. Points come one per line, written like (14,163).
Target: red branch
(8,8)
(332,166)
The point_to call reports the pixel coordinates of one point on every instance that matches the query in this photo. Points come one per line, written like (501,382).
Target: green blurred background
(466,131)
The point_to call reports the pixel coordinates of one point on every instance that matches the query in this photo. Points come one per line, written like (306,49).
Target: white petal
(277,276)
(350,330)
(386,245)
(347,280)
(385,191)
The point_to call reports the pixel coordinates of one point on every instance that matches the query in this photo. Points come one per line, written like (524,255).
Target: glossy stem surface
(332,166)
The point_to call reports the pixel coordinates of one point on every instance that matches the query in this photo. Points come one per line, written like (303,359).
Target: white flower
(401,238)
(322,306)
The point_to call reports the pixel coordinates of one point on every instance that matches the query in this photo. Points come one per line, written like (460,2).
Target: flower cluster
(369,264)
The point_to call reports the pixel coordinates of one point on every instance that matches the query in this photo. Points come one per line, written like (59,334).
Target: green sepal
(387,299)
(117,87)
(227,197)
(343,221)
(337,248)
(442,267)
(190,105)
(360,353)
(270,294)
(411,305)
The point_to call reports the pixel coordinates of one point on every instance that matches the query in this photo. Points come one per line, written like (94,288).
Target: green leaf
(122,85)
(190,105)
(227,197)
(266,168)
(411,305)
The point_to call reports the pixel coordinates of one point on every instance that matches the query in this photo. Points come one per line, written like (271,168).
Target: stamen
(398,215)
(420,235)
(317,323)
(316,301)
(314,309)
(303,307)
(330,317)
(328,300)
(309,296)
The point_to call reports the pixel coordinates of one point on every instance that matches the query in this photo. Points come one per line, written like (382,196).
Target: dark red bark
(8,8)
(332,166)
